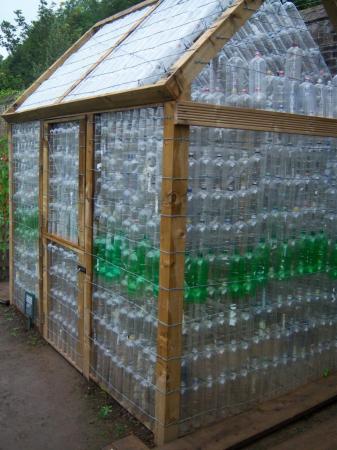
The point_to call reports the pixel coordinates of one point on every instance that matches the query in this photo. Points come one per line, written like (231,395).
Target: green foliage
(34,47)
(105,411)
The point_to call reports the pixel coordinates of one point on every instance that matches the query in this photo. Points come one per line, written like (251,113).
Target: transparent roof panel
(271,63)
(147,55)
(75,67)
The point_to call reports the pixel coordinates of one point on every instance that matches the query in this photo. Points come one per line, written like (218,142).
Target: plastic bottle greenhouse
(174,208)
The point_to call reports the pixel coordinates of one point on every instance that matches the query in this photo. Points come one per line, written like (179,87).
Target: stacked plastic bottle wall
(63,292)
(25,166)
(63,177)
(260,270)
(128,152)
(271,63)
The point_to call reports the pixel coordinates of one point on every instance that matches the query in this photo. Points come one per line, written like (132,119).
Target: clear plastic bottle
(294,63)
(320,98)
(280,90)
(308,97)
(257,75)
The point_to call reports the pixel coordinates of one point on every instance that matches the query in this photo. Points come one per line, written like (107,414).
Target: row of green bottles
(244,273)
(133,267)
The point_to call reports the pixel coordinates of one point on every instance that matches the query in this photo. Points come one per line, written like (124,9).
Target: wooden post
(11,217)
(331,9)
(171,279)
(88,237)
(44,228)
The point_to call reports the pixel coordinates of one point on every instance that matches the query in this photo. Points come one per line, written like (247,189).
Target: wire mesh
(25,188)
(63,300)
(63,178)
(260,269)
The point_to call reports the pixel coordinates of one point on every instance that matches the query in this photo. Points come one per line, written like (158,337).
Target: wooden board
(171,277)
(128,443)
(246,428)
(201,114)
(141,96)
(88,244)
(210,43)
(125,12)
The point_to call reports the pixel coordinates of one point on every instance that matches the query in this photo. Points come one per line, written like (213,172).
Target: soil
(45,404)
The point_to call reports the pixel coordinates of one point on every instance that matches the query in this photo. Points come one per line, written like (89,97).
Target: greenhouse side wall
(25,195)
(260,269)
(128,173)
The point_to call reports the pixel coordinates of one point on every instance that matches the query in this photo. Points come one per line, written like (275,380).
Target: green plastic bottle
(302,254)
(284,265)
(322,249)
(312,253)
(249,275)
(333,261)
(236,274)
(261,262)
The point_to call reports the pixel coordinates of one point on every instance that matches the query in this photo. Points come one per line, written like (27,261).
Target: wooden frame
(46,236)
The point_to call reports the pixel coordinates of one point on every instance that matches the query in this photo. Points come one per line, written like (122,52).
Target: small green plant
(326,373)
(105,411)
(119,429)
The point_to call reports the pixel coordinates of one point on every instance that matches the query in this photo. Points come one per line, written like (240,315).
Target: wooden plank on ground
(261,420)
(128,443)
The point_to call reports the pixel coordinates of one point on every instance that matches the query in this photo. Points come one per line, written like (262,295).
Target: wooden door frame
(83,248)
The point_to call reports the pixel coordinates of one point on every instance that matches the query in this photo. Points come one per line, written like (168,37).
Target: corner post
(88,243)
(171,277)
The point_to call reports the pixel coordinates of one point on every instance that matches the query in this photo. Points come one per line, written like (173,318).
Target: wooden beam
(210,43)
(331,8)
(88,244)
(125,12)
(107,53)
(40,243)
(171,279)
(129,98)
(201,114)
(44,229)
(11,216)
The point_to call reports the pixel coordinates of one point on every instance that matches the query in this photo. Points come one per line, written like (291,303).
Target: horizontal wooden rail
(205,115)
(142,96)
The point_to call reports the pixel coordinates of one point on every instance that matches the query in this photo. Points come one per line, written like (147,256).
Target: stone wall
(324,34)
